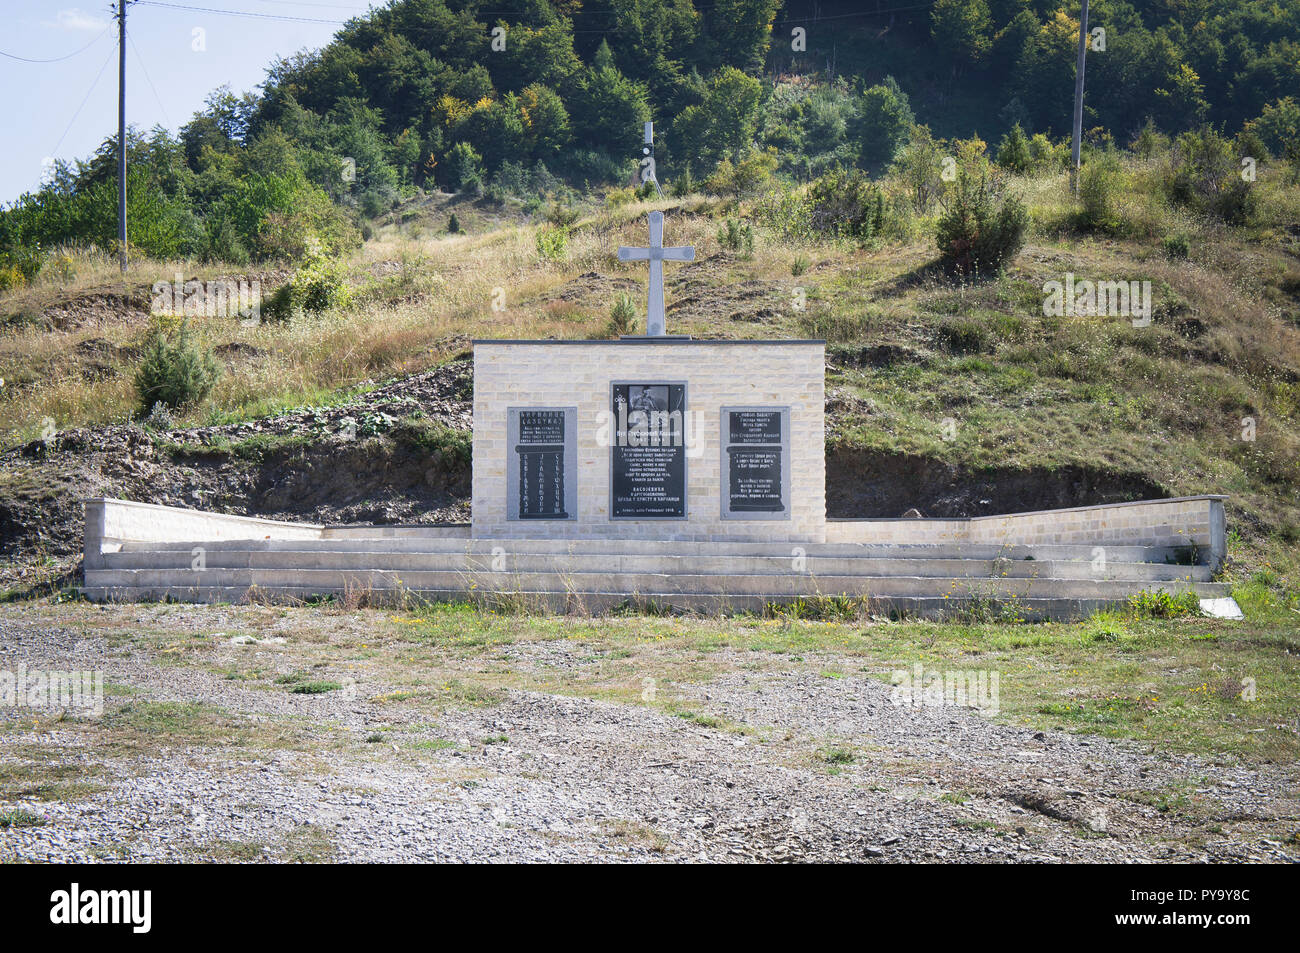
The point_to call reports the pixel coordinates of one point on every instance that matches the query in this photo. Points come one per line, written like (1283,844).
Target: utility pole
(121,131)
(1078,99)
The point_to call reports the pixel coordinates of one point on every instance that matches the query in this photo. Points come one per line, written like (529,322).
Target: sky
(176,55)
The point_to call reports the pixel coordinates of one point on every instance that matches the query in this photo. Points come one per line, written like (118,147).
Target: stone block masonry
(716,374)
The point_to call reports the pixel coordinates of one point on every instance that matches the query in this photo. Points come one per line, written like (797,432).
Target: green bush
(465,168)
(963,336)
(1014,153)
(1161,604)
(683,185)
(622,316)
(561,214)
(552,242)
(278,305)
(320,285)
(750,176)
(737,236)
(845,204)
(453,224)
(450,447)
(1099,186)
(1204,174)
(982,227)
(174,372)
(1177,246)
(1046,157)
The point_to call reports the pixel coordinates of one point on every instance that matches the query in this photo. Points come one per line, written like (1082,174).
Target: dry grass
(1035,392)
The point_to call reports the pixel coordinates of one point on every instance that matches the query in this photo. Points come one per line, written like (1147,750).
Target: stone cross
(656,254)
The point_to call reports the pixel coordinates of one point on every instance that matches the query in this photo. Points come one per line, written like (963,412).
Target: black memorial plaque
(755,480)
(540,455)
(756,458)
(648,456)
(754,426)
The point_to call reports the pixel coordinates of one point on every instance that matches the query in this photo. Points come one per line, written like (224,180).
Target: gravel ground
(794,766)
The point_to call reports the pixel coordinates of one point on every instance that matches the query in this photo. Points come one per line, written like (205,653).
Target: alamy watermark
(648,426)
(922,688)
(220,298)
(53,690)
(1112,299)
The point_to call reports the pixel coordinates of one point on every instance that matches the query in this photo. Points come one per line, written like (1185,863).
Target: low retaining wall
(110,522)
(1196,521)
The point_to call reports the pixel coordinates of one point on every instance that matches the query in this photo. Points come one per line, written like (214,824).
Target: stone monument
(650,436)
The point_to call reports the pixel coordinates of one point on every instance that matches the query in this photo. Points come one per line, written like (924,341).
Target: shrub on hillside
(1150,141)
(320,285)
(622,316)
(1046,156)
(174,372)
(20,264)
(278,305)
(846,204)
(1013,152)
(982,226)
(1177,245)
(464,169)
(1204,174)
(736,236)
(1100,182)
(552,242)
(749,176)
(919,166)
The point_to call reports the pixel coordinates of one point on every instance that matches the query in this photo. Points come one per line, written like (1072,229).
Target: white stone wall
(110,522)
(1187,521)
(718,373)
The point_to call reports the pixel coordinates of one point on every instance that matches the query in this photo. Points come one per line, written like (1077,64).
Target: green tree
(1013,151)
(464,168)
(609,111)
(1278,127)
(962,29)
(723,125)
(885,119)
(919,167)
(739,31)
(547,129)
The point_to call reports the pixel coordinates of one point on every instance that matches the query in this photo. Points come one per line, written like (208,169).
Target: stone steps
(615,547)
(818,566)
(324,581)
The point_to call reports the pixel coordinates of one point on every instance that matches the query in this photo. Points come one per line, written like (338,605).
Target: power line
(240,13)
(158,99)
(89,92)
(60,59)
(486,13)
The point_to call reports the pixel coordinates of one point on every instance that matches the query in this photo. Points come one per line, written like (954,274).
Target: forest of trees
(529,95)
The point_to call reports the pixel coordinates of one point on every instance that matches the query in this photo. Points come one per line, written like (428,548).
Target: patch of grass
(315,688)
(255,448)
(838,756)
(636,833)
(149,725)
(309,844)
(1162,604)
(704,721)
(20,818)
(446,445)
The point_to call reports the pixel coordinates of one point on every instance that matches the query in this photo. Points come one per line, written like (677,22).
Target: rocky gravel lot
(774,763)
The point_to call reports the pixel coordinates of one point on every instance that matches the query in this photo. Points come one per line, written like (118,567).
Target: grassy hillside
(961,391)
